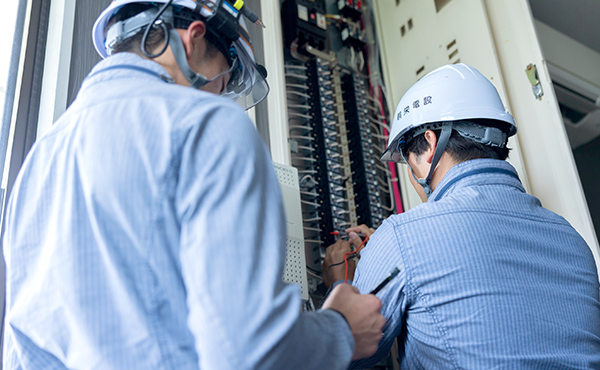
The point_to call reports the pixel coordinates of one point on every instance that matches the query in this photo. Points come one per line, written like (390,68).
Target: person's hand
(363,313)
(353,234)
(334,255)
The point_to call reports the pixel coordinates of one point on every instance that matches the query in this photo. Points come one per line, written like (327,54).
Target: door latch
(536,85)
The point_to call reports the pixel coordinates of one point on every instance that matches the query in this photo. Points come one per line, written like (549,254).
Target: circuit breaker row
(336,124)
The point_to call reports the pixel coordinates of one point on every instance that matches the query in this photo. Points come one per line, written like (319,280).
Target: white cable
(385,170)
(314,275)
(301,106)
(295,66)
(379,136)
(305,158)
(311,228)
(306,177)
(390,209)
(380,123)
(300,127)
(297,86)
(372,108)
(375,127)
(381,188)
(310,203)
(299,115)
(391,192)
(312,219)
(380,149)
(293,75)
(362,61)
(301,137)
(313,241)
(299,93)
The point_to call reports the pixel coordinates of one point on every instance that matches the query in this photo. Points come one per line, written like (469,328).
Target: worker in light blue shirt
(489,279)
(146,229)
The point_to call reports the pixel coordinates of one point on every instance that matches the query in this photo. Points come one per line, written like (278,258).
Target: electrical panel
(338,124)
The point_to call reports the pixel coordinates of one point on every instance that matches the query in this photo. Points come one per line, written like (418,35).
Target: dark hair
(155,39)
(460,148)
(156,36)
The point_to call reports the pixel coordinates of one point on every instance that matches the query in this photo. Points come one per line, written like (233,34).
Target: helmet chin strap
(439,150)
(196,79)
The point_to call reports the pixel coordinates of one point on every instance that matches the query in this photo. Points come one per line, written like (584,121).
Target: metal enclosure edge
(548,157)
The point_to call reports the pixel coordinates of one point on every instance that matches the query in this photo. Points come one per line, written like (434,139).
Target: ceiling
(578,19)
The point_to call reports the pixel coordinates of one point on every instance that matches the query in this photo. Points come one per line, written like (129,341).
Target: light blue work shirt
(146,231)
(490,279)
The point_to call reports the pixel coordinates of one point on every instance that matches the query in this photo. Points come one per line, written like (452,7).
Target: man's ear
(431,145)
(191,37)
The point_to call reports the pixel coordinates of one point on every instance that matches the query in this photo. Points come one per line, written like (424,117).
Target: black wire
(317,272)
(164,28)
(331,280)
(337,264)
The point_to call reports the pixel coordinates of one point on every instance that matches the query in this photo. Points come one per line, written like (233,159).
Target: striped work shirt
(146,231)
(490,279)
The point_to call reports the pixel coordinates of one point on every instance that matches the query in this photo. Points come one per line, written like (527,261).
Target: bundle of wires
(351,254)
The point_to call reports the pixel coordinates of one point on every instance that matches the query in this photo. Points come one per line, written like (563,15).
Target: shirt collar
(476,172)
(126,65)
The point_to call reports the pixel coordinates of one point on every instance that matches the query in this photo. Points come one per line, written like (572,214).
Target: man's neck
(444,165)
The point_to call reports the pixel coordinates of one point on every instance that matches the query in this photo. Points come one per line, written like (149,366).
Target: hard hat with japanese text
(454,92)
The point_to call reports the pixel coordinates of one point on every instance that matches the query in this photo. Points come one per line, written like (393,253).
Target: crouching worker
(489,278)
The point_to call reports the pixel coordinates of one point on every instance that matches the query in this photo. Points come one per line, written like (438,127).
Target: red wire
(346,258)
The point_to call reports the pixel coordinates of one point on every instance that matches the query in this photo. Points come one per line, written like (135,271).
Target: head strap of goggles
(223,27)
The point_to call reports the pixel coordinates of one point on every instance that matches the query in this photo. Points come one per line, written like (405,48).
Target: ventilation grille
(452,49)
(295,270)
(406,27)
(286,176)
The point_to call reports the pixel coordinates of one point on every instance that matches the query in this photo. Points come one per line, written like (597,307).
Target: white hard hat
(249,86)
(454,92)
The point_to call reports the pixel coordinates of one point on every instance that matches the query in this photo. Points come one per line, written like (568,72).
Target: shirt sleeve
(233,239)
(380,256)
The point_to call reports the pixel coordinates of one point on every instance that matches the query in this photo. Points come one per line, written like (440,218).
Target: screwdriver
(252,17)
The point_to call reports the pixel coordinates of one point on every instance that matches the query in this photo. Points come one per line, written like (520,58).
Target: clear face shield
(247,84)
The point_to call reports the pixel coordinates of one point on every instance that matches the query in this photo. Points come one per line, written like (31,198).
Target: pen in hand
(381,285)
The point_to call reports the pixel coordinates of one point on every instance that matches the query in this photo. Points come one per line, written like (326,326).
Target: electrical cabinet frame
(496,37)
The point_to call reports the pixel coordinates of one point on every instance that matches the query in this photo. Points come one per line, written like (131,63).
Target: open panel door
(498,38)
